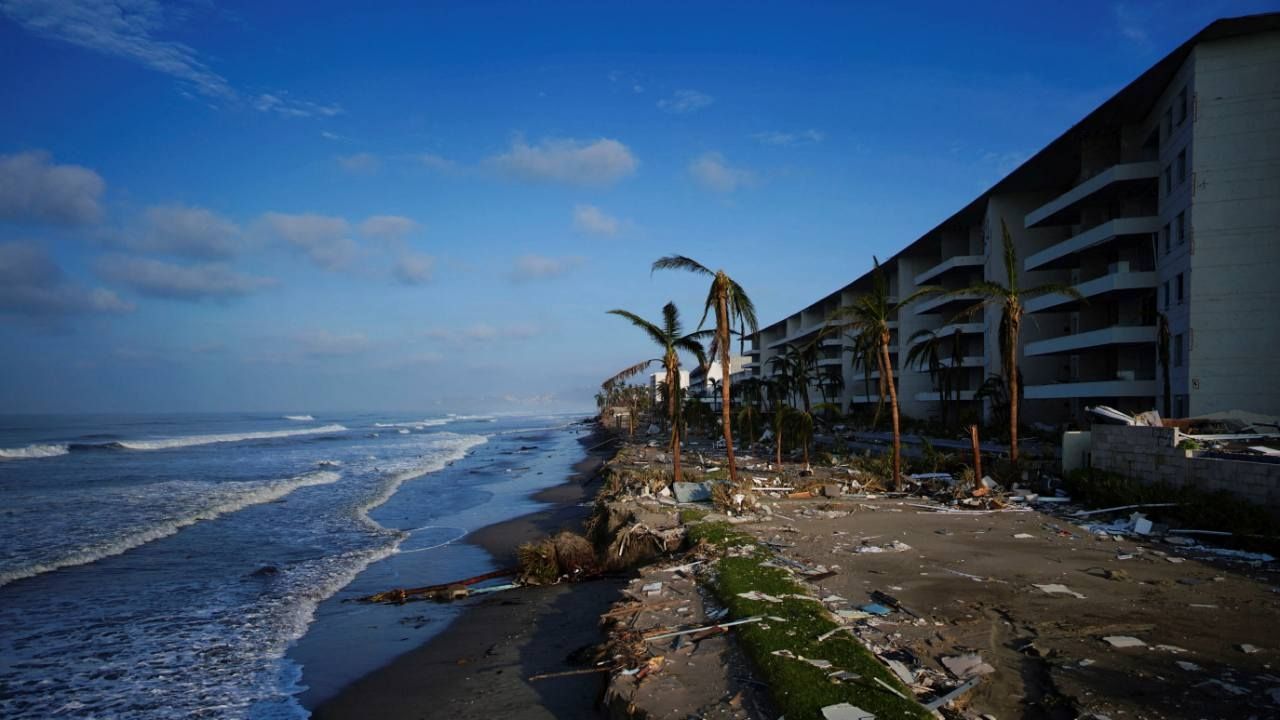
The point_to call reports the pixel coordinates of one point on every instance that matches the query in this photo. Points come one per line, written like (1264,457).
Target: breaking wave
(34,451)
(165,443)
(299,418)
(220,502)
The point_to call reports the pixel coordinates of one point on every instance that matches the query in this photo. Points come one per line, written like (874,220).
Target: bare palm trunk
(1015,320)
(893,411)
(722,327)
(673,392)
(777,431)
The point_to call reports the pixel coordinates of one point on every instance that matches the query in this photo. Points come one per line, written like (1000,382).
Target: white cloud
(333,136)
(685,101)
(388,227)
(714,173)
(592,220)
(787,139)
(129,29)
(360,163)
(1132,23)
(575,162)
(186,231)
(201,281)
(122,28)
(281,103)
(413,268)
(436,162)
(33,286)
(536,267)
(325,240)
(35,190)
(322,343)
(483,332)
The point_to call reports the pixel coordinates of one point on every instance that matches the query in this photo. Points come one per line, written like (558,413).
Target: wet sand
(478,667)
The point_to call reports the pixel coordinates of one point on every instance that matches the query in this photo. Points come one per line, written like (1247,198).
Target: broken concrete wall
(1150,454)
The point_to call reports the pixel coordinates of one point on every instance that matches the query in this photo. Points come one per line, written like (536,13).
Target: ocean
(175,566)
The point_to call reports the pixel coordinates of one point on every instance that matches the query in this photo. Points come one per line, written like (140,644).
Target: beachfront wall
(1151,455)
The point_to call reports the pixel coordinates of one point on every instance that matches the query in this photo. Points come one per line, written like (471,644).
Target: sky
(217,206)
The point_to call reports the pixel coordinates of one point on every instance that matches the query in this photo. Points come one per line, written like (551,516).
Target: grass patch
(692,515)
(799,689)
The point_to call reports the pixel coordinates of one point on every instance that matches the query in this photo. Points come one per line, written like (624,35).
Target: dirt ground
(1208,626)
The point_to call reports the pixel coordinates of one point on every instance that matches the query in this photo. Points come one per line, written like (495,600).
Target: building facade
(1161,208)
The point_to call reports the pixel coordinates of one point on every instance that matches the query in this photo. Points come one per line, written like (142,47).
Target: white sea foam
(229,500)
(299,418)
(433,422)
(165,443)
(33,451)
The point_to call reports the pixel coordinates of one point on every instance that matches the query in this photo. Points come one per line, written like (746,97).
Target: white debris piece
(1023,536)
(653,588)
(845,711)
(1123,641)
(967,666)
(1248,649)
(762,597)
(1188,666)
(1056,589)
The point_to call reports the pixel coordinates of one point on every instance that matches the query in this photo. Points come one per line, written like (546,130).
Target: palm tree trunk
(673,393)
(893,410)
(1015,320)
(722,328)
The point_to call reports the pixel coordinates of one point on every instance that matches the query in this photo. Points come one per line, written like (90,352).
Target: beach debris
(840,676)
(941,701)
(687,492)
(1023,536)
(547,561)
(653,588)
(1123,641)
(442,591)
(1187,665)
(900,669)
(967,666)
(845,711)
(719,627)
(1247,649)
(876,609)
(894,546)
(1058,589)
(759,596)
(818,663)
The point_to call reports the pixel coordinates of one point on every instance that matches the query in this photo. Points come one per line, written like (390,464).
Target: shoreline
(476,667)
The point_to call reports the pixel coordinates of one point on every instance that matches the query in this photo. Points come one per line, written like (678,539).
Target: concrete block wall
(1151,455)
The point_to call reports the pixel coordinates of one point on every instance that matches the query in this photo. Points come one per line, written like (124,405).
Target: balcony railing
(1125,172)
(1117,281)
(1097,235)
(1092,389)
(1114,335)
(952,263)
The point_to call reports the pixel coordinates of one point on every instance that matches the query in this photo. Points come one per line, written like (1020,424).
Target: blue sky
(277,206)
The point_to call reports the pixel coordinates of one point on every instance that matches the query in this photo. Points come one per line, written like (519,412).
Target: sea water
(164,566)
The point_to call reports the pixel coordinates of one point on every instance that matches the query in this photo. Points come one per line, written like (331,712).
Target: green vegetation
(799,689)
(692,515)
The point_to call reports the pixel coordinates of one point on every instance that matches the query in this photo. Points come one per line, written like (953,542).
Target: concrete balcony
(1060,254)
(952,263)
(1114,283)
(1112,176)
(946,331)
(830,362)
(1092,389)
(936,396)
(968,361)
(1114,335)
(940,303)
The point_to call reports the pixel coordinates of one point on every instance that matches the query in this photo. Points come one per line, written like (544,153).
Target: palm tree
(1010,299)
(732,308)
(671,338)
(869,316)
(866,355)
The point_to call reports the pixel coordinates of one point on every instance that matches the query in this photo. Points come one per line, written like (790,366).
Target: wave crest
(165,443)
(38,450)
(262,493)
(299,418)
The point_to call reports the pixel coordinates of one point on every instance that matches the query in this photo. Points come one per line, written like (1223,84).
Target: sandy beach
(477,667)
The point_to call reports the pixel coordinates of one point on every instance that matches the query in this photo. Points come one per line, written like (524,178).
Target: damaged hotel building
(1162,205)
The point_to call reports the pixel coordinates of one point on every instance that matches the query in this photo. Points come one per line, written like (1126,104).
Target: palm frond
(629,372)
(693,347)
(740,305)
(655,333)
(679,262)
(671,321)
